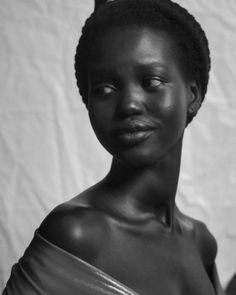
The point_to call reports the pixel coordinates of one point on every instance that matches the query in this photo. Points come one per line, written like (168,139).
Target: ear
(194,99)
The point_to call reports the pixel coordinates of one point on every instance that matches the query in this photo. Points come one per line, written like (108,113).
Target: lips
(133,132)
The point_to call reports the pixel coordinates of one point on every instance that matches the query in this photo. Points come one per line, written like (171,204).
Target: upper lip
(133,126)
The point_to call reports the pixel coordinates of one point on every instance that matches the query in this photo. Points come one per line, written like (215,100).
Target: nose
(130,102)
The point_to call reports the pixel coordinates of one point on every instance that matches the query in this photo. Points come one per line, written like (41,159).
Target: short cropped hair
(163,15)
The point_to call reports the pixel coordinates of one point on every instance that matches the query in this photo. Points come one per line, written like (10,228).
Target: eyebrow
(109,70)
(152,64)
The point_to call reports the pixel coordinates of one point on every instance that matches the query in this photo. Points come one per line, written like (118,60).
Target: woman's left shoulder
(206,242)
(203,238)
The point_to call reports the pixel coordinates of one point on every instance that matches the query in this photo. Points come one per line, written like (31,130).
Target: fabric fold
(47,269)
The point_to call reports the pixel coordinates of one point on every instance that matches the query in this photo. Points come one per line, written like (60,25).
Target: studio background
(48,152)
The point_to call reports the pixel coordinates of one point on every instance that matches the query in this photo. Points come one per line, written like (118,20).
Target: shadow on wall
(231,288)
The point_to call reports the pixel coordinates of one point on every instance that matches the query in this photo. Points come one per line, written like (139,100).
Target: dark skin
(128,224)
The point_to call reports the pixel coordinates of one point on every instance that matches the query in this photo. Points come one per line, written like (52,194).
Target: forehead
(133,46)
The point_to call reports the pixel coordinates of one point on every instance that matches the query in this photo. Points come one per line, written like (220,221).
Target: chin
(141,159)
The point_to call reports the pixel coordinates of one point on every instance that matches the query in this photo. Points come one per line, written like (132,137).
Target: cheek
(100,119)
(174,105)
(176,111)
(171,110)
(96,120)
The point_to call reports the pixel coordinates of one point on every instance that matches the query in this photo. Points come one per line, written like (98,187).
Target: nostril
(127,109)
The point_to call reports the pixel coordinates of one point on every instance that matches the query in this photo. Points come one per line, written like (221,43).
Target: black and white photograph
(118,147)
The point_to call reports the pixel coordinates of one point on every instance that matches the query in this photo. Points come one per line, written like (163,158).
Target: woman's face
(138,98)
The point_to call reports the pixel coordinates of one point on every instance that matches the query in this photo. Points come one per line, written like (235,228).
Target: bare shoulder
(203,238)
(76,227)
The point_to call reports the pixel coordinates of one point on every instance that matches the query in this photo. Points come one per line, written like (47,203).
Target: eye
(104,89)
(152,83)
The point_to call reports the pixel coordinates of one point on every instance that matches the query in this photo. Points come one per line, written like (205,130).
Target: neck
(150,189)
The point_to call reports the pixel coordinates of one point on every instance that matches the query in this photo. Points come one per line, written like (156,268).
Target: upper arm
(203,239)
(73,229)
(208,250)
(207,244)
(216,281)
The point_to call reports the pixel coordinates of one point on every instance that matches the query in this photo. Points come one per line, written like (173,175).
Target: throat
(165,214)
(145,192)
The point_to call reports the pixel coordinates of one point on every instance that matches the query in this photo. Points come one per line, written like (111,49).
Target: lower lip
(132,138)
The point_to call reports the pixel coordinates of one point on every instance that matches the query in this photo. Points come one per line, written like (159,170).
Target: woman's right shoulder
(76,227)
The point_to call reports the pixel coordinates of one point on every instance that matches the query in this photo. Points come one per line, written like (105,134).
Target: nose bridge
(131,100)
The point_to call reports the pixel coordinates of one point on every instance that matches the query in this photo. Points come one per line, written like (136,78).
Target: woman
(142,69)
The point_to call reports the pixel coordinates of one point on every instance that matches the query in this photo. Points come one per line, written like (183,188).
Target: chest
(164,263)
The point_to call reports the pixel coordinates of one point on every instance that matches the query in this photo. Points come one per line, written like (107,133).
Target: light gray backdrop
(48,152)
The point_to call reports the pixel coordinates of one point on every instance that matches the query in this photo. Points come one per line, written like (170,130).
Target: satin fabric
(48,269)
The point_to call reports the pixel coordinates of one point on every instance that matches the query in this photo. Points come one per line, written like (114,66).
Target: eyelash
(100,90)
(156,85)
